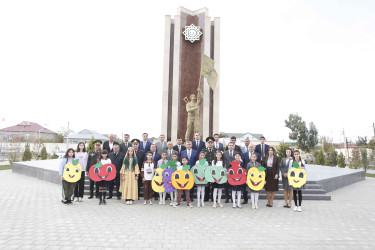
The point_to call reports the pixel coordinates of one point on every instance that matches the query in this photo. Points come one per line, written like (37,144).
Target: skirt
(103,184)
(271,185)
(217,185)
(237,188)
(285,183)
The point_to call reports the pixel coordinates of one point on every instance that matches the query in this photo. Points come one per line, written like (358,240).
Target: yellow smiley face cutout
(296,176)
(157,181)
(183,179)
(72,171)
(256,178)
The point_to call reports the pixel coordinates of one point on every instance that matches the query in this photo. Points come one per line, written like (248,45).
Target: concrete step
(305,196)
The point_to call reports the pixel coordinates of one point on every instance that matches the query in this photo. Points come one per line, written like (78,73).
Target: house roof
(87,134)
(238,135)
(26,126)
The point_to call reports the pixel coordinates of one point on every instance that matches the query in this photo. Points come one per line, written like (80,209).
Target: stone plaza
(32,217)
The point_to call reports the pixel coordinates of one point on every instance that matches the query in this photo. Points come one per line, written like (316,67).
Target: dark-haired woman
(68,187)
(129,177)
(82,156)
(298,191)
(285,165)
(271,163)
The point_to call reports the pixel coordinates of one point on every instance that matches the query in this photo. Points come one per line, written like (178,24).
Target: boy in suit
(198,144)
(145,144)
(262,149)
(218,145)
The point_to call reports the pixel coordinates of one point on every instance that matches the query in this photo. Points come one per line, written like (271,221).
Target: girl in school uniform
(285,165)
(254,195)
(68,187)
(200,187)
(297,192)
(237,190)
(218,188)
(82,156)
(103,185)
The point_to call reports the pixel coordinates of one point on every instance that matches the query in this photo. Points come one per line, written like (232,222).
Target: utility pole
(345,144)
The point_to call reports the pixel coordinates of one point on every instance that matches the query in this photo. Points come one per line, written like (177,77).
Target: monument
(191,70)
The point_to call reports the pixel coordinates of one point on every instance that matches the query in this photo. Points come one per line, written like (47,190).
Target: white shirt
(110,145)
(106,161)
(179,166)
(148,170)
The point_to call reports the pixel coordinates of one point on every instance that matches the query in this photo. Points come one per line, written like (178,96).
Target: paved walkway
(32,217)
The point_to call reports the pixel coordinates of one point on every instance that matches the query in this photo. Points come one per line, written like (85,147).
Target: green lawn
(4,167)
(370,175)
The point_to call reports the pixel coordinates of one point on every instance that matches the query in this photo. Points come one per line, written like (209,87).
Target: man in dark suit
(262,149)
(245,149)
(179,147)
(236,148)
(190,153)
(170,150)
(117,159)
(229,157)
(140,156)
(155,155)
(145,144)
(108,145)
(198,144)
(125,145)
(218,145)
(246,158)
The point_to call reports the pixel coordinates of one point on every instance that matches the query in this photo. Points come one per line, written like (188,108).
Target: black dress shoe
(227,201)
(109,197)
(244,202)
(90,197)
(191,199)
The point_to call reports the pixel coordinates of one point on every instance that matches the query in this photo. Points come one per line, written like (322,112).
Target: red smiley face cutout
(236,174)
(100,172)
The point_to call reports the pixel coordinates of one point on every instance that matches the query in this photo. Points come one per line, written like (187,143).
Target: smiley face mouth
(159,184)
(200,179)
(71,176)
(217,180)
(255,184)
(102,177)
(182,185)
(168,182)
(296,181)
(235,180)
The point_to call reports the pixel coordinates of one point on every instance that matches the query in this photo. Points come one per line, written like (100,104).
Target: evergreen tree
(321,158)
(355,161)
(91,144)
(364,159)
(43,153)
(27,153)
(280,150)
(333,159)
(341,160)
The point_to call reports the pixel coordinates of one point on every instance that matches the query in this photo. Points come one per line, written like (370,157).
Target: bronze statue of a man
(192,108)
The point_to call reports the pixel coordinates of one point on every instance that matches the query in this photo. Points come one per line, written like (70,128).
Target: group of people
(136,162)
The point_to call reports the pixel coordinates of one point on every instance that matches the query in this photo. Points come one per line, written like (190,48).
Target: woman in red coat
(271,163)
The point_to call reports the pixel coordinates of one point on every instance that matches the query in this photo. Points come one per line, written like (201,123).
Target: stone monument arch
(188,37)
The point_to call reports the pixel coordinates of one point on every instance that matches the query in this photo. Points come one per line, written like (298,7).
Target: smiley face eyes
(96,171)
(222,173)
(213,171)
(240,171)
(231,172)
(167,174)
(157,174)
(109,169)
(187,176)
(301,175)
(195,171)
(260,176)
(177,176)
(252,174)
(292,174)
(77,170)
(67,169)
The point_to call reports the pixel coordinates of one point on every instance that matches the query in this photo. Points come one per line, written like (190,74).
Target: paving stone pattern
(32,217)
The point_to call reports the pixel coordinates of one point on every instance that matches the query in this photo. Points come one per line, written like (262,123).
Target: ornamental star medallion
(192,33)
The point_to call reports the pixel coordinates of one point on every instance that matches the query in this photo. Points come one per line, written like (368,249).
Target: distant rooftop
(239,135)
(26,126)
(87,134)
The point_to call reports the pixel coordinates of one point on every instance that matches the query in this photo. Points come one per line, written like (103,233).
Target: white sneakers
(253,207)
(295,208)
(214,205)
(220,205)
(198,204)
(239,206)
(234,206)
(145,203)
(127,202)
(160,202)
(299,209)
(256,206)
(150,202)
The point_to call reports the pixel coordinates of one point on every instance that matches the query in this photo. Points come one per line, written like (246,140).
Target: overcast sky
(99,64)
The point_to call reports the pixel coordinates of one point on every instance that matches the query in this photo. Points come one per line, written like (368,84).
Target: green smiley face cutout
(216,174)
(199,172)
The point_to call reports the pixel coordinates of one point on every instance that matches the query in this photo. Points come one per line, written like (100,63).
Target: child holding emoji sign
(297,179)
(255,179)
(64,172)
